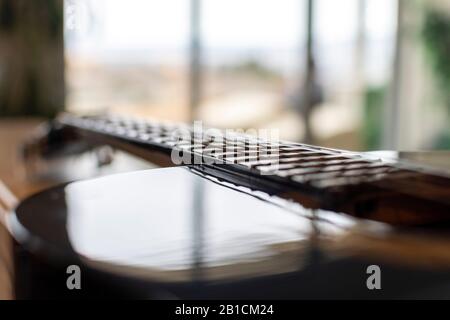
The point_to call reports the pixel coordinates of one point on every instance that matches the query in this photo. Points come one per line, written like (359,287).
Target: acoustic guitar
(235,217)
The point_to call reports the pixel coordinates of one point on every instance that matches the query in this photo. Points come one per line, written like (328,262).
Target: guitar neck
(316,176)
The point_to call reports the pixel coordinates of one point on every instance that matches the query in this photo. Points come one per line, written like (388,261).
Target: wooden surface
(12,133)
(12,175)
(6,287)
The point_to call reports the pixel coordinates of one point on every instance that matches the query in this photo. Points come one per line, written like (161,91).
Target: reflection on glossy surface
(157,220)
(174,225)
(438,161)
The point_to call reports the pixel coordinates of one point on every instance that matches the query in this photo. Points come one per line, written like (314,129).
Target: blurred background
(351,74)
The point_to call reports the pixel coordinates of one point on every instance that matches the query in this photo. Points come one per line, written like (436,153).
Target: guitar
(230,216)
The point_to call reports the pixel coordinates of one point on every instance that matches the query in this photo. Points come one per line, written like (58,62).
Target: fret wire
(292,160)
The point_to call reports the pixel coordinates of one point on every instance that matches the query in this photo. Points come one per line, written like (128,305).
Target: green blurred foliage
(436,38)
(374,99)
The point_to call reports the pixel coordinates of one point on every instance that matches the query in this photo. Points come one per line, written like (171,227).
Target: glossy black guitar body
(175,233)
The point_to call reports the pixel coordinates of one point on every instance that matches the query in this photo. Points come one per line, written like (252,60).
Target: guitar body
(177,233)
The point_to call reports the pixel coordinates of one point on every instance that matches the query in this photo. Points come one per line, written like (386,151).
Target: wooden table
(12,176)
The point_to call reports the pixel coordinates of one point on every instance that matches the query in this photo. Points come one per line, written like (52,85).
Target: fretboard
(333,176)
